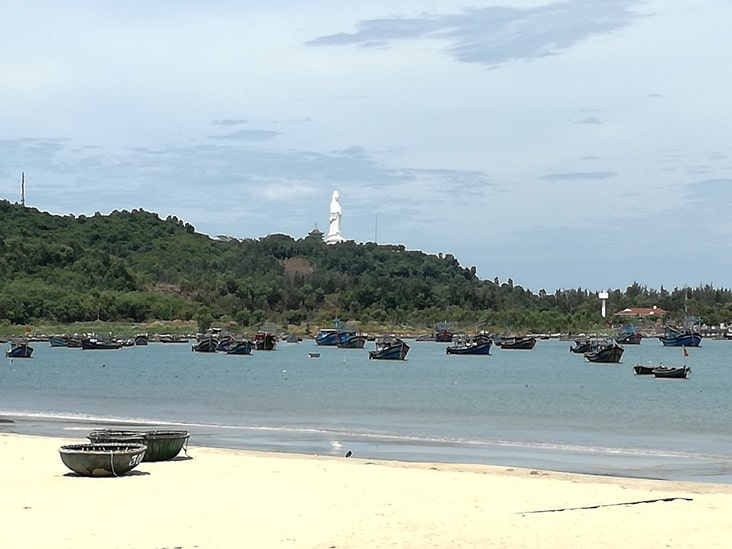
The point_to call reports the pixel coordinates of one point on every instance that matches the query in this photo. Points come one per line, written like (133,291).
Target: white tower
(604,296)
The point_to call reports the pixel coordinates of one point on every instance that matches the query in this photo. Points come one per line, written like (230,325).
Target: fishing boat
(525,343)
(265,341)
(95,343)
(583,345)
(141,339)
(390,349)
(479,345)
(243,347)
(628,335)
(225,342)
(350,340)
(659,370)
(168,338)
(606,351)
(205,344)
(443,333)
(672,373)
(326,337)
(58,341)
(643,370)
(683,336)
(19,350)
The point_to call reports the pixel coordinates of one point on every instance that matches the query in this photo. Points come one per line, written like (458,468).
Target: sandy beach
(215,498)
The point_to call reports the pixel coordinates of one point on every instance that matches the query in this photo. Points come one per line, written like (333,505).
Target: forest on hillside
(134,266)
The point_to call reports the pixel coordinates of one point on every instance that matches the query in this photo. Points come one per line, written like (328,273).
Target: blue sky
(560,144)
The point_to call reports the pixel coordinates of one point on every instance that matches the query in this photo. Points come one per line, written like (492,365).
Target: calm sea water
(545,408)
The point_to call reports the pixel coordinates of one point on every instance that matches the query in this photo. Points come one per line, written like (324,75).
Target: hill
(134,266)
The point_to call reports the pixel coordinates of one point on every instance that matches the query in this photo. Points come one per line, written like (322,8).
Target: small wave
(334,436)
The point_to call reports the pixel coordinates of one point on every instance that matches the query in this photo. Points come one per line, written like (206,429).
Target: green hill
(136,267)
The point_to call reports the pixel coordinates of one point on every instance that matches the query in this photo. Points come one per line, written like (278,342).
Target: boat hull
(95,345)
(523,343)
(479,349)
(444,336)
(206,345)
(240,348)
(610,354)
(681,340)
(265,341)
(22,350)
(162,445)
(352,342)
(58,341)
(395,351)
(102,459)
(672,373)
(327,337)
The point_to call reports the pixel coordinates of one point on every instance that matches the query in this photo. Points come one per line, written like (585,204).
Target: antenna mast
(22,189)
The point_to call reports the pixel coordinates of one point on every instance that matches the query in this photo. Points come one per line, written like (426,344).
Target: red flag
(686,353)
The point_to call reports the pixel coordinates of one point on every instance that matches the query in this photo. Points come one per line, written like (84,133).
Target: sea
(544,409)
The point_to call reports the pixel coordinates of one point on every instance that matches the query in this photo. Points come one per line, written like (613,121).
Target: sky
(561,144)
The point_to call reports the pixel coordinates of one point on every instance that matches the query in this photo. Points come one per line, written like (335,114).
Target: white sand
(232,499)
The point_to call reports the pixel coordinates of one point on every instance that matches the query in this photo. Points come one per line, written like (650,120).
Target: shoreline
(640,465)
(222,498)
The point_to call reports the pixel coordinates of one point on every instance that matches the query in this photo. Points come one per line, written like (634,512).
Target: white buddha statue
(334,220)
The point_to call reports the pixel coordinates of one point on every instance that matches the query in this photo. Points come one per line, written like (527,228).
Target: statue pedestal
(334,238)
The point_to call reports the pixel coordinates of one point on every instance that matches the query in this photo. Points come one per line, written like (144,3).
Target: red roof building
(641,312)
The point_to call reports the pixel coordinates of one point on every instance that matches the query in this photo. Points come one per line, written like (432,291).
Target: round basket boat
(161,445)
(103,459)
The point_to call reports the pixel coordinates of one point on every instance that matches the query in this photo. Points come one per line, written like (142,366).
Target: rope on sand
(660,500)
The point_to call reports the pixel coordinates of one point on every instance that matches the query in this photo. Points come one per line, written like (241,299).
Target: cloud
(579,176)
(495,35)
(248,135)
(230,122)
(589,120)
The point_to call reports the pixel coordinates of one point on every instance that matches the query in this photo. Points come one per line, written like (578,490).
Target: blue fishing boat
(225,342)
(326,336)
(581,346)
(58,341)
(243,347)
(390,349)
(629,334)
(344,337)
(19,350)
(479,345)
(348,339)
(686,336)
